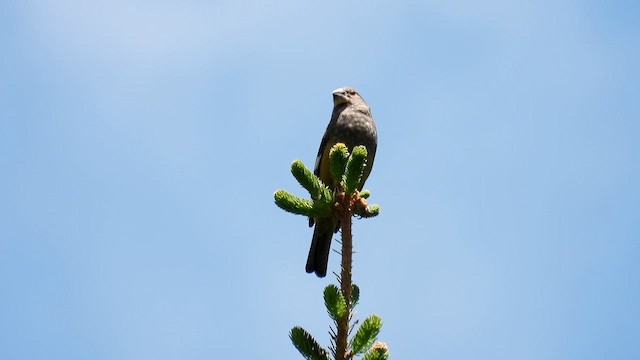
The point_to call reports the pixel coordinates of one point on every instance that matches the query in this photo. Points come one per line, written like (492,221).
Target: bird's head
(345,95)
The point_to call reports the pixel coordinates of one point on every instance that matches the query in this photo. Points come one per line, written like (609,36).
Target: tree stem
(345,282)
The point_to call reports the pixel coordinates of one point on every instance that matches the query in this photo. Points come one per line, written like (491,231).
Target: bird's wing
(321,151)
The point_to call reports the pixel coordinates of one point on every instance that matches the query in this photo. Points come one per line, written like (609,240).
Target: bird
(351,124)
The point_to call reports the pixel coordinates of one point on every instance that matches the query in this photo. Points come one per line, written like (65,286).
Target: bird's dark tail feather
(320,247)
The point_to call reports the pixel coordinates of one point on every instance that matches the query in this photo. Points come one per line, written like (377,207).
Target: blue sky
(141,143)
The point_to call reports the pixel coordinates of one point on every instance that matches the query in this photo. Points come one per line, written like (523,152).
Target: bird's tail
(320,247)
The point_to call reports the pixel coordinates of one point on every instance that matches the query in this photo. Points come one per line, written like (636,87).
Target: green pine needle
(300,206)
(293,204)
(307,179)
(355,295)
(307,345)
(366,334)
(334,301)
(371,211)
(338,156)
(355,167)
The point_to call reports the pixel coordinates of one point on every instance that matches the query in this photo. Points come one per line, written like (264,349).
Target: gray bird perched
(351,124)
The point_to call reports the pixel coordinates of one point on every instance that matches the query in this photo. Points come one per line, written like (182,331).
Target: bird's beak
(340,96)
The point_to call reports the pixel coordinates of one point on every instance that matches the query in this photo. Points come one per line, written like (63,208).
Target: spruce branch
(366,334)
(307,345)
(296,205)
(334,301)
(342,203)
(338,158)
(354,169)
(308,180)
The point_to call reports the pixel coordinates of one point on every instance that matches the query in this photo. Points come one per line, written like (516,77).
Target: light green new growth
(344,166)
(294,204)
(354,170)
(310,182)
(338,157)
